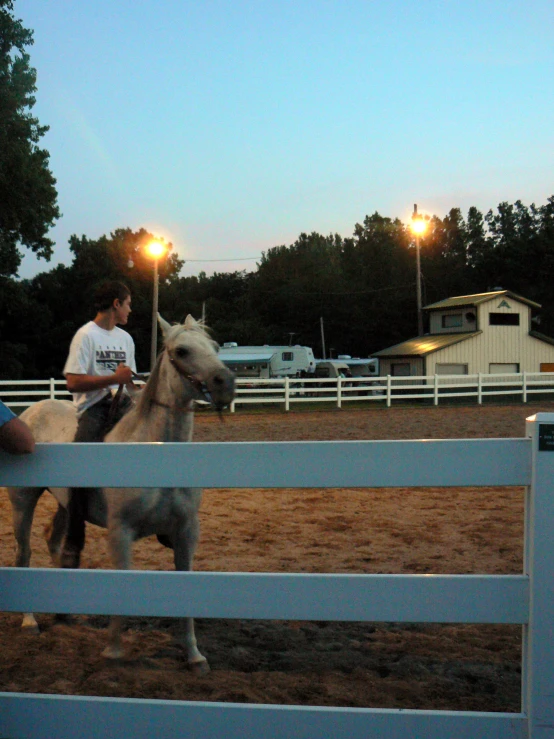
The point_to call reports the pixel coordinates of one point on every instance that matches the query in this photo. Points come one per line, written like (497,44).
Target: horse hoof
(70,560)
(200,668)
(113,653)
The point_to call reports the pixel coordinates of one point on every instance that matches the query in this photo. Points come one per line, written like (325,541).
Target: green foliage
(28,197)
(363,286)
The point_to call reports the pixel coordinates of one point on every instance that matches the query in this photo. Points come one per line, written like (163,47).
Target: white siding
(497,344)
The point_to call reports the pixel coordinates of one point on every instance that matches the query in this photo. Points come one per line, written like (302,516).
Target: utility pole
(418,227)
(322,338)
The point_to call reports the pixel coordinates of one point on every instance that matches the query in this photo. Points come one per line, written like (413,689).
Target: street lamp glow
(419,226)
(155,249)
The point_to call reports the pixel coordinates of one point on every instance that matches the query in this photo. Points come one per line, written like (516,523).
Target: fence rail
(287,391)
(526,599)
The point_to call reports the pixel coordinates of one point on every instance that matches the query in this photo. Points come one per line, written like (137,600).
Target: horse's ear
(190,322)
(164,325)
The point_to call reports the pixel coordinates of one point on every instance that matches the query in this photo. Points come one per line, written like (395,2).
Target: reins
(116,399)
(193,381)
(114,405)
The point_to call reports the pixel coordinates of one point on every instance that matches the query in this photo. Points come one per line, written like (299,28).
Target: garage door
(451,369)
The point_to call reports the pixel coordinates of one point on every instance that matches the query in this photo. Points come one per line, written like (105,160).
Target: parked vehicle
(367,367)
(331,368)
(268,361)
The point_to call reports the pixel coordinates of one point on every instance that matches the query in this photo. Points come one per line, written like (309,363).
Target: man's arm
(16,437)
(85,383)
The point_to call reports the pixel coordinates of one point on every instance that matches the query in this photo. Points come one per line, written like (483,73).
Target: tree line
(363,286)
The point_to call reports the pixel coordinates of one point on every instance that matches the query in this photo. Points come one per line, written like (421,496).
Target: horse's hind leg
(54,533)
(24,501)
(120,540)
(184,547)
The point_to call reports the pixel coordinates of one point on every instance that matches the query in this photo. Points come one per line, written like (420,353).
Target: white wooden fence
(285,391)
(526,599)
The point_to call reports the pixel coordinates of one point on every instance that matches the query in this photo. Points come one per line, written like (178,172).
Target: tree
(68,294)
(28,196)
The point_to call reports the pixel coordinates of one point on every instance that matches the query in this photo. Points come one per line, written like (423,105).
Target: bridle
(200,389)
(196,384)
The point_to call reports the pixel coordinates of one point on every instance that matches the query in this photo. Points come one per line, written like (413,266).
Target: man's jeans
(93,426)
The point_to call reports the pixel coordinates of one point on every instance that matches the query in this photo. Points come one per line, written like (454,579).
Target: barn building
(489,332)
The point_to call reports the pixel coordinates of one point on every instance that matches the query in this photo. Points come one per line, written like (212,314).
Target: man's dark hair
(107,292)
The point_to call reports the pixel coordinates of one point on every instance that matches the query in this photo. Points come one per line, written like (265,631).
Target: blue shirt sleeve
(5,414)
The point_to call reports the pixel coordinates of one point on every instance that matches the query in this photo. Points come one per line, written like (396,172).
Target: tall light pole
(155,249)
(419,226)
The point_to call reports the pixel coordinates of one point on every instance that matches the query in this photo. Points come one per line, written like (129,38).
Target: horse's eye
(182,352)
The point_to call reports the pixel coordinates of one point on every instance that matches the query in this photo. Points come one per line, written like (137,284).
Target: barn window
(452,320)
(400,369)
(450,369)
(287,356)
(503,319)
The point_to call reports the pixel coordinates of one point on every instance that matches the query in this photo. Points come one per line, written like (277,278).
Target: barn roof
(420,346)
(461,300)
(541,337)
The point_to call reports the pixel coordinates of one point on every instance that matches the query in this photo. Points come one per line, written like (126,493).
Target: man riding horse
(101,357)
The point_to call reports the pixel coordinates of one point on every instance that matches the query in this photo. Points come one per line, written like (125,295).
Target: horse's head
(193,356)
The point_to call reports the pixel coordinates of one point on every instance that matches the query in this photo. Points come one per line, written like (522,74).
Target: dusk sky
(231,126)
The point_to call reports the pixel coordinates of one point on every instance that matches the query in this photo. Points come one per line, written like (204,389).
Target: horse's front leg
(24,501)
(120,540)
(184,546)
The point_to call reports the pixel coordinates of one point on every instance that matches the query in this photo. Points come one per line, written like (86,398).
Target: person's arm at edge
(16,437)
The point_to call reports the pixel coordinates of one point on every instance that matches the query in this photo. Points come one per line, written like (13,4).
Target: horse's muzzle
(221,388)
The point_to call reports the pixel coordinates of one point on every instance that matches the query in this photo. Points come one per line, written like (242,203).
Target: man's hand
(123,374)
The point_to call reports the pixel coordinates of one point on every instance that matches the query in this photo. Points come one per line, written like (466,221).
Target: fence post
(52,389)
(524,388)
(339,391)
(388,391)
(538,641)
(287,394)
(480,388)
(436,390)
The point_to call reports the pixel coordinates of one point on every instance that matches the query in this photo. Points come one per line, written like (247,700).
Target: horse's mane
(147,395)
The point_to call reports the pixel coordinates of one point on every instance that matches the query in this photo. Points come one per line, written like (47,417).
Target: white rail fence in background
(285,391)
(526,599)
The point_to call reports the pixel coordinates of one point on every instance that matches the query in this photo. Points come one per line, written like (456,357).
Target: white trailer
(331,368)
(367,367)
(268,361)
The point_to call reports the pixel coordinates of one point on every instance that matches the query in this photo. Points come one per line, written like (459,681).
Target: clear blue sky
(231,126)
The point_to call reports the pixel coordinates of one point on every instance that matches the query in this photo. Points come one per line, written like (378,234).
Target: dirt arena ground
(467,530)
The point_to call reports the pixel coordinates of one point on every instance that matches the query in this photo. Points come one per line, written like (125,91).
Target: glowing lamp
(419,226)
(155,249)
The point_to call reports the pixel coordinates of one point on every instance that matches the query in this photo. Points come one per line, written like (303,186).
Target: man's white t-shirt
(95,351)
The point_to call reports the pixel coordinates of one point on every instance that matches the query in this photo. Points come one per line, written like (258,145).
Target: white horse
(187,369)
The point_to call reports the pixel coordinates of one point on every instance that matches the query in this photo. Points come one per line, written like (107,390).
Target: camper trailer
(360,367)
(267,361)
(331,368)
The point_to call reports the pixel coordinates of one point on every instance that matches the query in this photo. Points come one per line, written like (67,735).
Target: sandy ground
(425,530)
